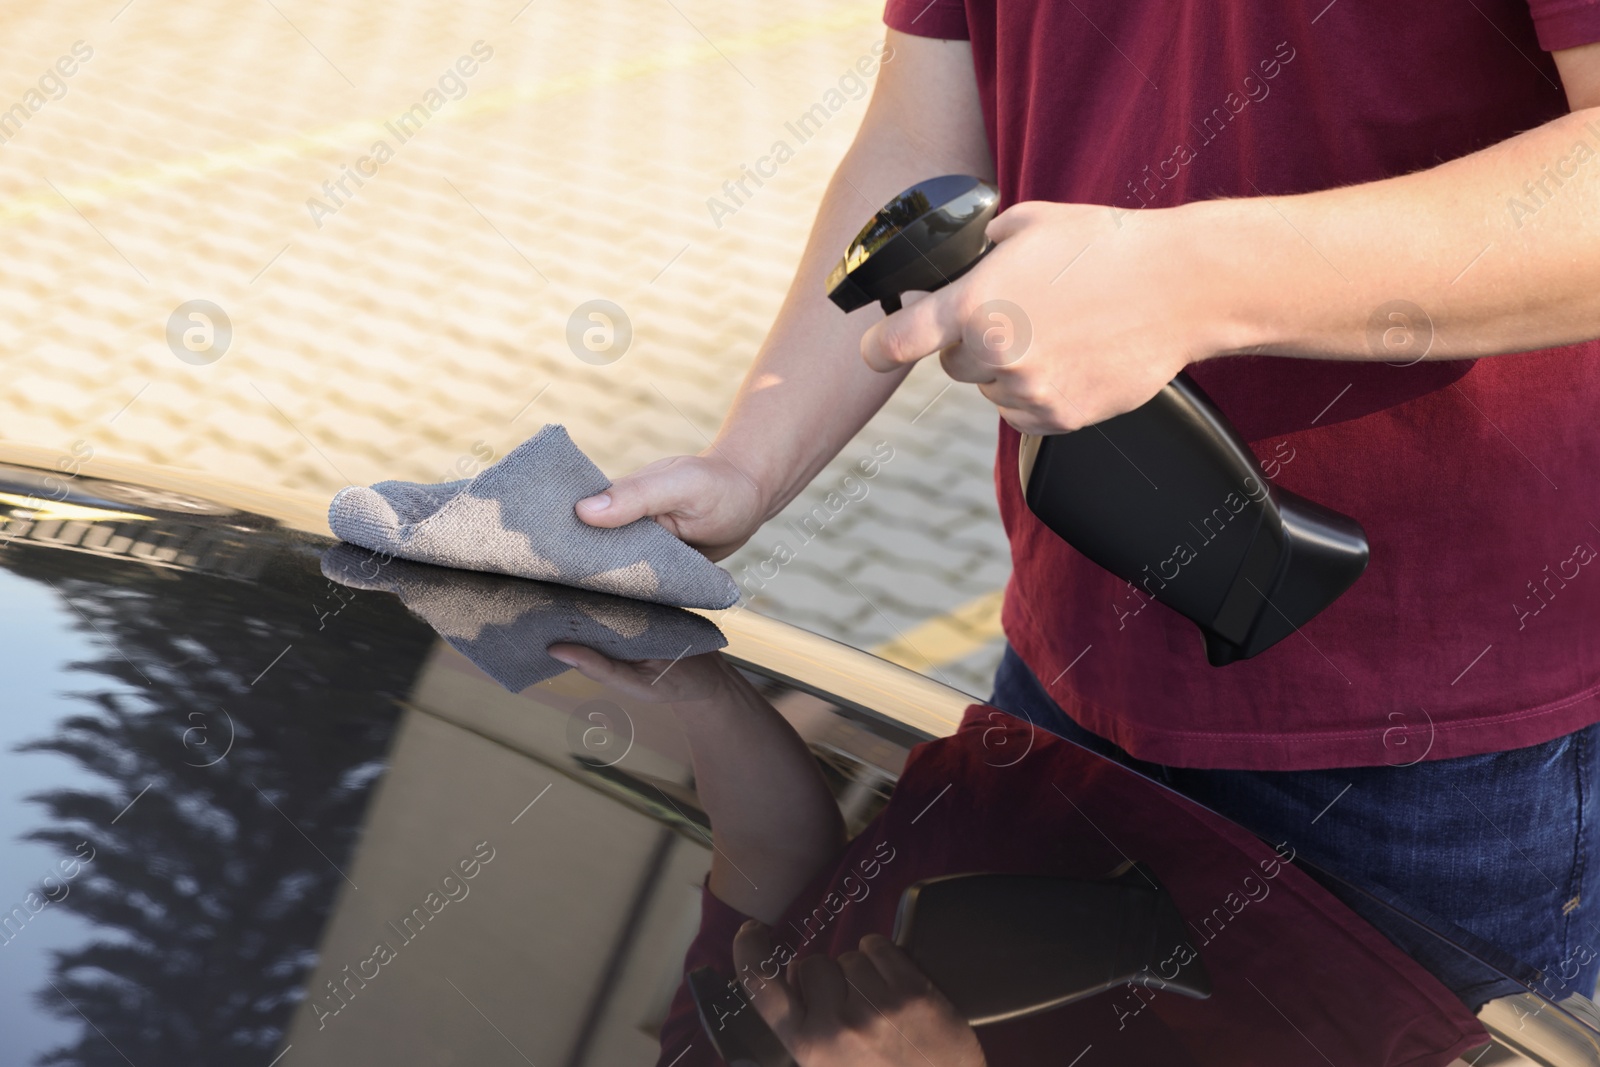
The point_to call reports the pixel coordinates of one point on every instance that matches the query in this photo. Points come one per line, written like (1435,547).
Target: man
(1329,213)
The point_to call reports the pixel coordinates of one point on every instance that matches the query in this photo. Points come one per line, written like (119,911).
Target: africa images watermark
(1554,176)
(1252,890)
(852,489)
(453,887)
(452,85)
(852,888)
(53,889)
(1543,594)
(52,85)
(1211,126)
(852,85)
(1210,527)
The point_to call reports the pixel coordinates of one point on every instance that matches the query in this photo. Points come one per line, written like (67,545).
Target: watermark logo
(197,739)
(852,488)
(52,85)
(1407,741)
(852,85)
(52,889)
(1145,190)
(1003,331)
(600,734)
(452,887)
(450,86)
(1400,333)
(1553,177)
(1542,591)
(1004,741)
(599,332)
(199,332)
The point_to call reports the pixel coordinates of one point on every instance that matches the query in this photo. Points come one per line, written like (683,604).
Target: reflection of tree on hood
(212,902)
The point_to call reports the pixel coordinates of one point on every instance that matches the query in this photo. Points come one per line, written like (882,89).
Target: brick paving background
(417,322)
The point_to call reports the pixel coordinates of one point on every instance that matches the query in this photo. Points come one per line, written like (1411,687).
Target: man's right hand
(705,501)
(868,1008)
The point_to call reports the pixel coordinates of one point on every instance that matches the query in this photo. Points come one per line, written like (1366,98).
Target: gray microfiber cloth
(504,625)
(517,518)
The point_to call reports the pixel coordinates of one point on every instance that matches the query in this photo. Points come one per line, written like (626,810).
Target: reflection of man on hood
(794,916)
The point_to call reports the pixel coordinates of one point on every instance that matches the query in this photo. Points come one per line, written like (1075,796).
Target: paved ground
(417,321)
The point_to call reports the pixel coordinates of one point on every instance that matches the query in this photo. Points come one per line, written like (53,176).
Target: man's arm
(1499,249)
(774,824)
(808,391)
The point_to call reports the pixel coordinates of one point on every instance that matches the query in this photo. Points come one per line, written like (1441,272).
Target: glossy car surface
(226,778)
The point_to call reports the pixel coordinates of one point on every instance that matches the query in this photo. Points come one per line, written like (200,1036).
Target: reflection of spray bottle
(1125,492)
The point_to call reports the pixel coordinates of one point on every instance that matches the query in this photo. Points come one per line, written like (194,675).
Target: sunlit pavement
(403,311)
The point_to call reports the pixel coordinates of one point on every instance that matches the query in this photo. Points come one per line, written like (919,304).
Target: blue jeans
(1491,851)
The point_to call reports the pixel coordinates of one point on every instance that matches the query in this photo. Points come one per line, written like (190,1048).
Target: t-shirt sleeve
(1559,23)
(946,19)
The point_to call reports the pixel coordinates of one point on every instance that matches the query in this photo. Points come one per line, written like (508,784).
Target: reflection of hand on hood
(503,625)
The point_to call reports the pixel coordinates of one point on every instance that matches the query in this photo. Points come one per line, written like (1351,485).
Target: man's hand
(1080,313)
(1117,302)
(706,501)
(871,1008)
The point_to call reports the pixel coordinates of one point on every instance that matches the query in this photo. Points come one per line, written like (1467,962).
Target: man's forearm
(1500,250)
(773,821)
(808,391)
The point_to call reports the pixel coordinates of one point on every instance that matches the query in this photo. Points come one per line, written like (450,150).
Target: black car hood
(226,779)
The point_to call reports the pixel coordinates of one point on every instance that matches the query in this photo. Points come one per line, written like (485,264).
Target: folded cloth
(504,625)
(517,518)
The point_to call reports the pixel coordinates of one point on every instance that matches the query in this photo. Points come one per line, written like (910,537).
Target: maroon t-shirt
(1294,972)
(1476,627)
